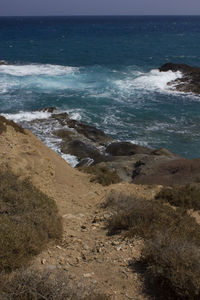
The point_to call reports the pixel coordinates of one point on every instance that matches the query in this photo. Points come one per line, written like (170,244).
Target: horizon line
(107,15)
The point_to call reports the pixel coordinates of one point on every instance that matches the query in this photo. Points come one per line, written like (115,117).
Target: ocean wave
(27,116)
(151,81)
(37,69)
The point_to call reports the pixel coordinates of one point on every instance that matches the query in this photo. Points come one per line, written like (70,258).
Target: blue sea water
(103,70)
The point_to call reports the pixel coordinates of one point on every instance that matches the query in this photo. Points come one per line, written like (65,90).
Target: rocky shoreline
(132,163)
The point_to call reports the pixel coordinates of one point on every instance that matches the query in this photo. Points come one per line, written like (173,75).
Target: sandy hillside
(85,251)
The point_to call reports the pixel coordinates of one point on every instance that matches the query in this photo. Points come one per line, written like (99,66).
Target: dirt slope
(85,251)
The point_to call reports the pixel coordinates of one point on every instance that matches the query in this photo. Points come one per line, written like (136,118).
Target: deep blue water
(103,70)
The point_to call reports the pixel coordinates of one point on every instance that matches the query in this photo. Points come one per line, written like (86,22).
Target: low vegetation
(187,196)
(173,264)
(4,122)
(28,221)
(102,175)
(171,243)
(30,284)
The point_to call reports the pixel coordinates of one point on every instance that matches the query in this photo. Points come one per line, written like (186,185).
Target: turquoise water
(103,70)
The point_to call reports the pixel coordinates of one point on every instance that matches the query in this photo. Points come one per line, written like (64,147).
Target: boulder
(189,82)
(82,150)
(126,149)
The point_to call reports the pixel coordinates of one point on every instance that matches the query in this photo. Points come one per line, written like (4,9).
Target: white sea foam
(36,69)
(43,131)
(71,159)
(27,116)
(75,116)
(151,81)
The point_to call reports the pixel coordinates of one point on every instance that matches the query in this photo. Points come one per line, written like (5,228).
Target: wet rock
(176,67)
(90,132)
(85,162)
(94,134)
(190,81)
(2,62)
(62,118)
(126,149)
(50,109)
(82,150)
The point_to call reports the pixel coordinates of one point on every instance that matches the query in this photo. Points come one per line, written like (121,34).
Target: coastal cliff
(84,245)
(92,253)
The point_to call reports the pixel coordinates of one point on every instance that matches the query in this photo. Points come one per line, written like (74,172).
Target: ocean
(104,71)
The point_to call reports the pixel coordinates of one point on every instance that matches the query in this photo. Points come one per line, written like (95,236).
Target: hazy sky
(99,7)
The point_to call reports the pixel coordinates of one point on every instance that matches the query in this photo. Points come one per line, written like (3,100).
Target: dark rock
(50,109)
(84,162)
(132,168)
(126,149)
(190,81)
(66,135)
(2,62)
(90,132)
(171,172)
(82,150)
(62,118)
(177,67)
(164,151)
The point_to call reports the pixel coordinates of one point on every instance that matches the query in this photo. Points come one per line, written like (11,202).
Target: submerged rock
(189,82)
(49,109)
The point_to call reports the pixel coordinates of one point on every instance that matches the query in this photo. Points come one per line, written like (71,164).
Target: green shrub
(173,265)
(4,122)
(30,284)
(28,221)
(187,196)
(102,175)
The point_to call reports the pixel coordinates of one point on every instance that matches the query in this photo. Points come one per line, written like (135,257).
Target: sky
(98,7)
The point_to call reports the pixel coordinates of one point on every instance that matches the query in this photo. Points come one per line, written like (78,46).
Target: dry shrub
(31,284)
(28,221)
(4,122)
(187,196)
(172,244)
(102,175)
(144,218)
(173,265)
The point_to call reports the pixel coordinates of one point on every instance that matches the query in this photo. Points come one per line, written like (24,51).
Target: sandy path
(86,252)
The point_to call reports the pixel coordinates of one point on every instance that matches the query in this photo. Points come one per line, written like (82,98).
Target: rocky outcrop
(90,132)
(169,173)
(189,82)
(93,147)
(132,163)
